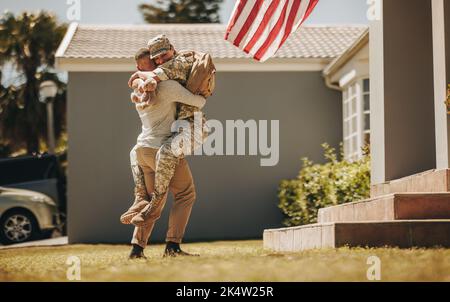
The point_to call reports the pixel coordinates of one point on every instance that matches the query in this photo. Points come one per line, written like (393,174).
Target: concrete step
(400,233)
(399,206)
(428,181)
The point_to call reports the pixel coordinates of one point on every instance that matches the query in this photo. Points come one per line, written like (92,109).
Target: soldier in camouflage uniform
(172,66)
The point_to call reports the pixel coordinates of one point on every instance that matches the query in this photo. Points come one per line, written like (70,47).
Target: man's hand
(147,98)
(142,98)
(139,75)
(136,83)
(144,75)
(149,85)
(133,77)
(135,98)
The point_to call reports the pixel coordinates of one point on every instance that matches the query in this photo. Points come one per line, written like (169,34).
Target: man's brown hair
(142,53)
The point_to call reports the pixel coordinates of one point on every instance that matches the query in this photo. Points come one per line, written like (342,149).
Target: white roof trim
(222,65)
(67,39)
(347,78)
(348,54)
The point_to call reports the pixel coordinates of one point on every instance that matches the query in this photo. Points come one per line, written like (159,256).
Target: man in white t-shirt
(157,117)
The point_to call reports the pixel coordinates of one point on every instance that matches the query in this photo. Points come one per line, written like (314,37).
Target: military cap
(159,45)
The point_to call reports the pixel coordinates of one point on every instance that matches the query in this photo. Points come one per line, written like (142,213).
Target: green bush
(320,185)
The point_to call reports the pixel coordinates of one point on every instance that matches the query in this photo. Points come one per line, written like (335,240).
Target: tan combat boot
(140,202)
(141,218)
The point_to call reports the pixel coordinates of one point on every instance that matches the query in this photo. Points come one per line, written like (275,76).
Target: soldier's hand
(144,75)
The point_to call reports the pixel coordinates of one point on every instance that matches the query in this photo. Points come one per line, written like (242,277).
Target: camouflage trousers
(192,133)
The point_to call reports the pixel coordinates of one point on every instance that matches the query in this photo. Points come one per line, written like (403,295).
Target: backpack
(202,79)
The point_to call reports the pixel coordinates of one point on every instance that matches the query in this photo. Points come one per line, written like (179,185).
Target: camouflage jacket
(178,69)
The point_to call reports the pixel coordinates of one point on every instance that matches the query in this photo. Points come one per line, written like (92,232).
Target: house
(349,73)
(409,134)
(236,194)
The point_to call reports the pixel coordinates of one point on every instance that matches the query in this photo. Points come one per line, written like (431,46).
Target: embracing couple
(169,90)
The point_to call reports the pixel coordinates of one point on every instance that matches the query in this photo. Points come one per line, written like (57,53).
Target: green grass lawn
(223,261)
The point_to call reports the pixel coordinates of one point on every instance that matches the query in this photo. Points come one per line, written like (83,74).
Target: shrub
(320,185)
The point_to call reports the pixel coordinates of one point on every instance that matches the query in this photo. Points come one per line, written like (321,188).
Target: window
(356,111)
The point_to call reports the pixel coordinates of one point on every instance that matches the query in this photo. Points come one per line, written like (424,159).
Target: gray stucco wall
(236,197)
(441,59)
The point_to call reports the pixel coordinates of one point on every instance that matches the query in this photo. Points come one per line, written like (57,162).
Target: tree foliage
(182,11)
(28,41)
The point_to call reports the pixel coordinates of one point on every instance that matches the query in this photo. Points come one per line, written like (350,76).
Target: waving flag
(260,27)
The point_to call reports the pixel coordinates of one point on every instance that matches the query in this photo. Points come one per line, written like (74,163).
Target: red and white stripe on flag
(260,27)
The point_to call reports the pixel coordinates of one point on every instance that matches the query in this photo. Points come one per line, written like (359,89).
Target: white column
(377,139)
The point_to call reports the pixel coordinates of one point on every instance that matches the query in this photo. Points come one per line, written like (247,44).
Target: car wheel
(18,226)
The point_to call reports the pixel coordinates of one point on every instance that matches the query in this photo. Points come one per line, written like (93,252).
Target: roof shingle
(106,41)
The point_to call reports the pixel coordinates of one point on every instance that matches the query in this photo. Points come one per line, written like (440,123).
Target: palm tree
(182,11)
(29,42)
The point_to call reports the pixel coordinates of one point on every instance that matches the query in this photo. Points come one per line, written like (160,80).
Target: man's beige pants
(181,186)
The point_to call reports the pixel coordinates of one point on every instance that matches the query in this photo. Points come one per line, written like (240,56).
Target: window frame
(353,98)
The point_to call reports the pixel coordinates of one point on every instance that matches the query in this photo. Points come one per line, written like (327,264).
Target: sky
(126,12)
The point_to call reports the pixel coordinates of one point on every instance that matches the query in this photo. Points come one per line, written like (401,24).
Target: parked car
(39,173)
(26,215)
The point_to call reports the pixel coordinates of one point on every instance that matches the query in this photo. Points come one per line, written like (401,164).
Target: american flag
(260,27)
